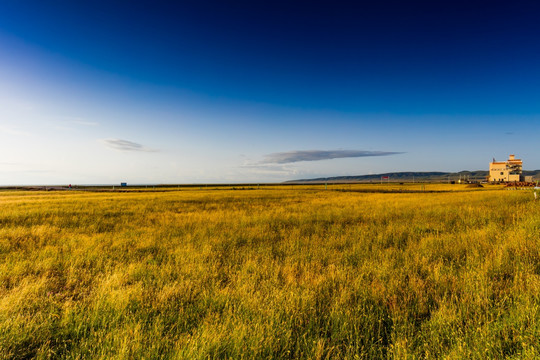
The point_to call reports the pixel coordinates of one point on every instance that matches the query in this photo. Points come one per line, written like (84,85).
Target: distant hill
(478,175)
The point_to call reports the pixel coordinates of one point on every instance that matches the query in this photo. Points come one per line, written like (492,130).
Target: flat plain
(348,272)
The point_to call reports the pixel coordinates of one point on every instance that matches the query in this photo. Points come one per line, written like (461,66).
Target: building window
(502,173)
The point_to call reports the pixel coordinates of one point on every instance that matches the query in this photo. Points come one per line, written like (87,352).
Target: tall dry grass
(270,273)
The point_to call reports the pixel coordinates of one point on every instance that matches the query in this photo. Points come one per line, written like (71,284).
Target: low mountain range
(478,175)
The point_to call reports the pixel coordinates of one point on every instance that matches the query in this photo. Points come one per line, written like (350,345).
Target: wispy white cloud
(85,123)
(21,168)
(13,131)
(27,171)
(316,155)
(126,145)
(270,169)
(77,121)
(74,120)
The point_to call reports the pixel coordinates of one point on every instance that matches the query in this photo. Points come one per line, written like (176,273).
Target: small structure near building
(506,171)
(123,184)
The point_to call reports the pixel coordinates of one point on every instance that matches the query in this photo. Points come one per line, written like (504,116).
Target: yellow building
(506,171)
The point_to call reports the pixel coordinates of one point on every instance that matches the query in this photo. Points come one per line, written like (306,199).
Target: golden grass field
(271,273)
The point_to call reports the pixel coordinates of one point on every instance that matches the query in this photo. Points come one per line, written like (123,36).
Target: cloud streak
(273,169)
(126,145)
(13,131)
(316,155)
(83,122)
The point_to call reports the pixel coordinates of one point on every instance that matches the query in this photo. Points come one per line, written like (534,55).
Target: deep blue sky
(209,89)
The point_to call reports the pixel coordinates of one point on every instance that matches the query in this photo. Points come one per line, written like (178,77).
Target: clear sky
(99,92)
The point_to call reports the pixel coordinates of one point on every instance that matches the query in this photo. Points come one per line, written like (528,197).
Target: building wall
(507,171)
(498,172)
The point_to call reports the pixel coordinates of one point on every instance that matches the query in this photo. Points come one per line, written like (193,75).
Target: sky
(102,92)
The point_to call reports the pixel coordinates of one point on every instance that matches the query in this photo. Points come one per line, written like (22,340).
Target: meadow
(297,272)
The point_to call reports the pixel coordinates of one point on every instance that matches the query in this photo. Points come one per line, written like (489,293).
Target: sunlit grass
(275,272)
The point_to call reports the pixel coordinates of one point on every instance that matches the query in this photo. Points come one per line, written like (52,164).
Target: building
(506,171)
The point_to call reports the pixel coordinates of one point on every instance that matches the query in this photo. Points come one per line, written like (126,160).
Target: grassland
(282,273)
